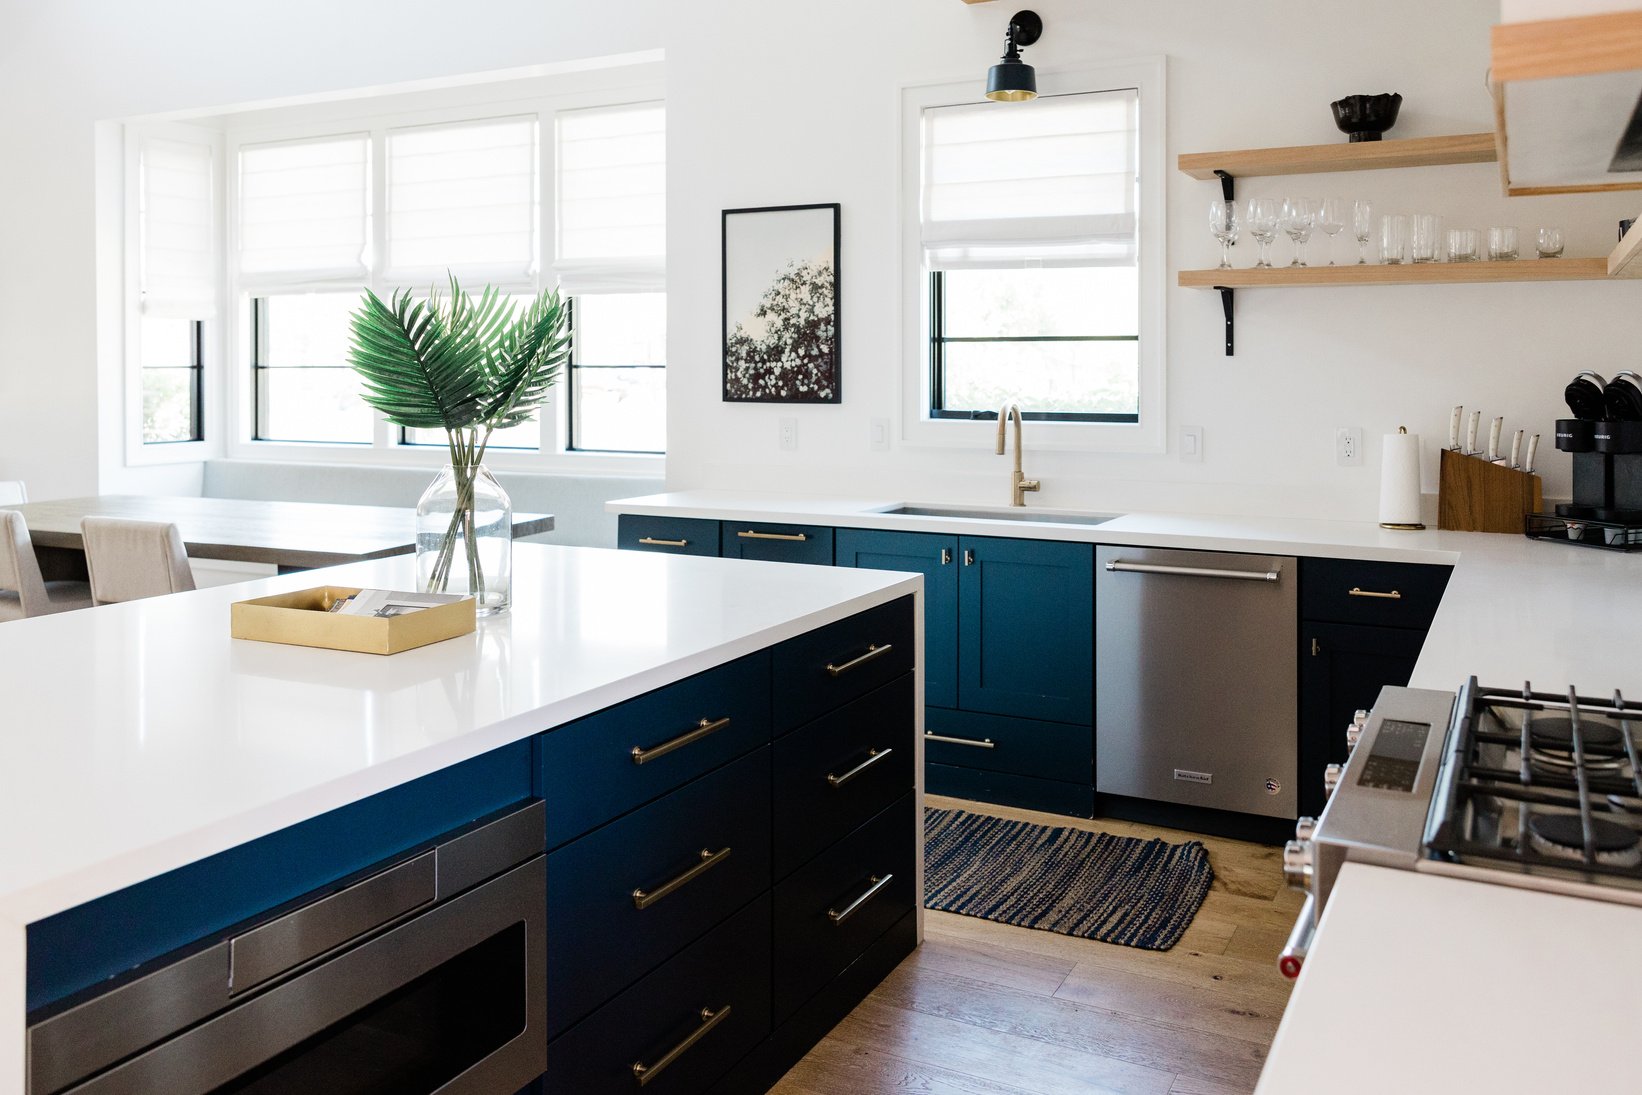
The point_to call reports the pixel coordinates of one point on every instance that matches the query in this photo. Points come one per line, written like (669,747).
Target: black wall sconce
(1011,79)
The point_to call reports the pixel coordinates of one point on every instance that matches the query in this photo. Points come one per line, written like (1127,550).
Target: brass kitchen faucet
(1018,482)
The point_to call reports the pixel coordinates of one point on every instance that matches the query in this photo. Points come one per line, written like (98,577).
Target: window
(618,377)
(304,389)
(173,370)
(178,285)
(1036,257)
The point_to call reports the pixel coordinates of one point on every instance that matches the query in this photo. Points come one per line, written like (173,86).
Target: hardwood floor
(989,1009)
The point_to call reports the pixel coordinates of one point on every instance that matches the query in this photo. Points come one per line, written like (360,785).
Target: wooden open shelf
(1342,156)
(1425,273)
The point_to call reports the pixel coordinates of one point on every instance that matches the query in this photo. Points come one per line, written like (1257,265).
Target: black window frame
(570,417)
(938,340)
(196,410)
(259,349)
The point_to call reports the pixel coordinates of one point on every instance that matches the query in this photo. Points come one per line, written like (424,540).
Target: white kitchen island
(140,737)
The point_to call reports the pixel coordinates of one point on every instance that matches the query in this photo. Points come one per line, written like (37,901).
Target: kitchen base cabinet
(670,535)
(1006,789)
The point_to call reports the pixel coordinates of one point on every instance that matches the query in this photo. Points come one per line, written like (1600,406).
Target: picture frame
(780,300)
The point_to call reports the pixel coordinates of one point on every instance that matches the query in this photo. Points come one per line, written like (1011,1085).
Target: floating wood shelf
(1425,273)
(1622,259)
(1342,156)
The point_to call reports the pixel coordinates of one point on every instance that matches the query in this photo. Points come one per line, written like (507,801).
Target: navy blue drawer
(776,543)
(1378,594)
(598,940)
(840,770)
(1023,747)
(676,535)
(830,666)
(602,766)
(729,968)
(832,910)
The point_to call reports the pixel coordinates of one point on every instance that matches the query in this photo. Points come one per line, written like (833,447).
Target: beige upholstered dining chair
(22,591)
(13,492)
(130,560)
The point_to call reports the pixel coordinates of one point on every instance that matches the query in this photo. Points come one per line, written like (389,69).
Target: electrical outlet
(1191,444)
(1348,446)
(879,435)
(789,434)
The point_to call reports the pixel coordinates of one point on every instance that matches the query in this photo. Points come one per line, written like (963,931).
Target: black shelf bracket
(1228,185)
(1226,303)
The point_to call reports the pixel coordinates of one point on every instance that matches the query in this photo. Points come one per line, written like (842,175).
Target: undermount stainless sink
(1000,513)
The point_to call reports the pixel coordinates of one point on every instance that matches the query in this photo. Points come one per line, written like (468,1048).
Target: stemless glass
(1224,225)
(1462,245)
(1502,244)
(1550,243)
(1331,218)
(1394,239)
(1362,226)
(1422,237)
(1261,216)
(1299,215)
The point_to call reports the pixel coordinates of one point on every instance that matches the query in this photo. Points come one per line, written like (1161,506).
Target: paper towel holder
(1395,525)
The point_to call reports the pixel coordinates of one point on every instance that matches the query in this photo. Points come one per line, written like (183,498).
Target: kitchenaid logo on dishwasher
(1186,776)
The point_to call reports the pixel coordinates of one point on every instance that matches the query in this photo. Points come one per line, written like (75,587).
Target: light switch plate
(878,435)
(1191,444)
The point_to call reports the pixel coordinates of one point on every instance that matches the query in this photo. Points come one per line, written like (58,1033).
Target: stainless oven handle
(1271,575)
(1293,955)
(644,1073)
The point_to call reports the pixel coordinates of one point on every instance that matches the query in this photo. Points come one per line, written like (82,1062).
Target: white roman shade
(303,211)
(612,199)
(178,225)
(1050,182)
(462,198)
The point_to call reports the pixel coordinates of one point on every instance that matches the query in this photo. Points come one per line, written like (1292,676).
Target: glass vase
(464,538)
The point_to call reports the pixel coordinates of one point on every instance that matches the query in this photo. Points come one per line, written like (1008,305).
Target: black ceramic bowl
(1365,117)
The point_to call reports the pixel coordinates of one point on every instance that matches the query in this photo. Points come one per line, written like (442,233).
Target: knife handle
(1516,449)
(1471,433)
(1454,428)
(1533,448)
(1494,429)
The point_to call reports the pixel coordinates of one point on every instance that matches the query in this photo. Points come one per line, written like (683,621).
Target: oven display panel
(1394,760)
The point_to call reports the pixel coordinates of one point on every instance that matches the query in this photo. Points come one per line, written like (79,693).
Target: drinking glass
(1394,239)
(1224,225)
(1331,218)
(1362,226)
(1550,243)
(1502,244)
(1422,237)
(1462,245)
(1261,216)
(1299,215)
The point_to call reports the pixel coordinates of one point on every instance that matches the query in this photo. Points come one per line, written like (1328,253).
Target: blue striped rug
(1117,889)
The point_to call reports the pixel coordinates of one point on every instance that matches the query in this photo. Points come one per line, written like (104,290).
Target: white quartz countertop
(1418,983)
(137,738)
(1516,609)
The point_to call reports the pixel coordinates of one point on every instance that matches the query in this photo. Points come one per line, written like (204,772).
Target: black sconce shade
(1012,80)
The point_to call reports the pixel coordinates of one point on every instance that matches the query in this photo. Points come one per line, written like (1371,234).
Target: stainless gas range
(1513,786)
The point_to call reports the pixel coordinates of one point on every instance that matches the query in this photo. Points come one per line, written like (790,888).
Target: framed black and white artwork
(781,304)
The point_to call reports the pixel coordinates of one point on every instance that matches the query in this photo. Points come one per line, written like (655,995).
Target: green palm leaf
(422,367)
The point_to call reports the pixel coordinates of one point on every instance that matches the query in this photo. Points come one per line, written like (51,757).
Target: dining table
(289,535)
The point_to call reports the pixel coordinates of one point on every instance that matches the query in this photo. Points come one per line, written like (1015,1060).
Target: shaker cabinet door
(936,558)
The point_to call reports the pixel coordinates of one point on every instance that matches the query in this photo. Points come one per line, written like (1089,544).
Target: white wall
(811,116)
(68,64)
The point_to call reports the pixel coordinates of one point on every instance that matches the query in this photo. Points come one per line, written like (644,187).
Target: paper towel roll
(1400,481)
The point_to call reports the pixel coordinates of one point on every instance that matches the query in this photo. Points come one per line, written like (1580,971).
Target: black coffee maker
(1605,440)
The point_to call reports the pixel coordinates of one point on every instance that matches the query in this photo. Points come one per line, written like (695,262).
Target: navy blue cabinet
(776,543)
(936,558)
(670,535)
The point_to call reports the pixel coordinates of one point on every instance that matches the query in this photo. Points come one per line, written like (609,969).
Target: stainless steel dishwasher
(1195,678)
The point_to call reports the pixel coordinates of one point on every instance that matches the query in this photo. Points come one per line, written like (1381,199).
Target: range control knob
(1297,864)
(1354,734)
(1331,778)
(1304,828)
(1360,719)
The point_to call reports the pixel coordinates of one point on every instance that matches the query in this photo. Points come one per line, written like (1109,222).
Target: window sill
(140,455)
(430,456)
(1143,437)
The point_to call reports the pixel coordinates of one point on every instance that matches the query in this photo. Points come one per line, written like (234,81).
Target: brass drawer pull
(653,542)
(838,916)
(984,743)
(873,650)
(1394,595)
(873,757)
(798,537)
(709,860)
(644,1073)
(703,728)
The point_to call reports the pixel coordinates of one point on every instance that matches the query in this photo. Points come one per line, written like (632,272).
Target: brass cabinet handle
(653,542)
(873,757)
(644,1073)
(703,728)
(800,537)
(709,860)
(1394,595)
(873,650)
(984,743)
(838,916)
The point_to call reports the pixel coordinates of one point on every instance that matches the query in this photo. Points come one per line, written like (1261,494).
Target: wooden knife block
(1477,496)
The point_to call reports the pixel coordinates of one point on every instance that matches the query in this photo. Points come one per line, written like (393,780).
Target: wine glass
(1331,218)
(1224,225)
(1299,215)
(1362,226)
(1261,216)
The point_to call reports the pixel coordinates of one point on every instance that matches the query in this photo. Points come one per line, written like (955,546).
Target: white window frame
(1146,75)
(612,89)
(213,347)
